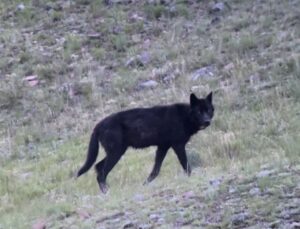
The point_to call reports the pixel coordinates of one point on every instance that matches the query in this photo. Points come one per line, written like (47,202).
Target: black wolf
(162,126)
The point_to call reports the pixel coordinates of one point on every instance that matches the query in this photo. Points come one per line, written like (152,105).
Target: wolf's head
(202,110)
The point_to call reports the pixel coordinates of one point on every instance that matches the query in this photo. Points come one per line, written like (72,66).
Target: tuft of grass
(72,45)
(26,17)
(256,95)
(46,72)
(243,43)
(120,42)
(56,16)
(154,11)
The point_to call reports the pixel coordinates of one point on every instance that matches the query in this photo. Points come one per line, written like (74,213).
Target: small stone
(33,83)
(169,78)
(264,173)
(161,221)
(239,218)
(229,67)
(136,38)
(203,73)
(275,224)
(130,61)
(284,174)
(139,197)
(83,214)
(40,224)
(144,58)
(148,84)
(136,17)
(218,7)
(94,35)
(128,225)
(31,80)
(154,217)
(285,214)
(21,7)
(254,191)
(188,195)
(110,2)
(139,60)
(232,190)
(295,225)
(145,226)
(215,182)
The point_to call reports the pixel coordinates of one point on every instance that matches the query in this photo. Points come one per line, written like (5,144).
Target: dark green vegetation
(89,60)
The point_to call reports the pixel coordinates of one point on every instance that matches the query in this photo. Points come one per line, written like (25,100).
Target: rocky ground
(268,199)
(66,64)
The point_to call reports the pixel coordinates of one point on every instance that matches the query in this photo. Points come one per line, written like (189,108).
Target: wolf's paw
(103,187)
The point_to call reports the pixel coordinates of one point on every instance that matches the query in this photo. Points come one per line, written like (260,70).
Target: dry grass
(79,50)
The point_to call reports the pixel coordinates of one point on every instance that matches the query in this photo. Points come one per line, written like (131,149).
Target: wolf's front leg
(159,157)
(181,155)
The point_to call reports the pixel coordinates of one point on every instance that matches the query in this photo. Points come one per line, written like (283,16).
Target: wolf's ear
(193,99)
(209,97)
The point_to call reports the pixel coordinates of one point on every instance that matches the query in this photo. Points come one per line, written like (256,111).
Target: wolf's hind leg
(99,166)
(106,165)
(99,169)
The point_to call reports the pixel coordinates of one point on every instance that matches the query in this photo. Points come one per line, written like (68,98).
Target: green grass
(45,129)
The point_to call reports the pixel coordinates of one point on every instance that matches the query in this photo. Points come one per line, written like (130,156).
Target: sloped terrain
(64,65)
(269,199)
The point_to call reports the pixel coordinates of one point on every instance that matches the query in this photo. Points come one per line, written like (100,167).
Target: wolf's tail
(92,153)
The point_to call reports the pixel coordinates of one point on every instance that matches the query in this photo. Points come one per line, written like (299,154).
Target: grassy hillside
(64,65)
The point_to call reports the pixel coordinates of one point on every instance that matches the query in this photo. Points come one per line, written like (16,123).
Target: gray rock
(290,213)
(265,173)
(40,224)
(219,7)
(215,182)
(229,66)
(232,190)
(139,197)
(254,191)
(32,80)
(149,84)
(163,2)
(154,217)
(188,195)
(21,7)
(239,218)
(284,174)
(295,225)
(139,60)
(110,2)
(169,78)
(204,72)
(145,226)
(144,58)
(129,225)
(275,224)
(135,17)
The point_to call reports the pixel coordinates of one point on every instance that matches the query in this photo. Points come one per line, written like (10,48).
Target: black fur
(162,126)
